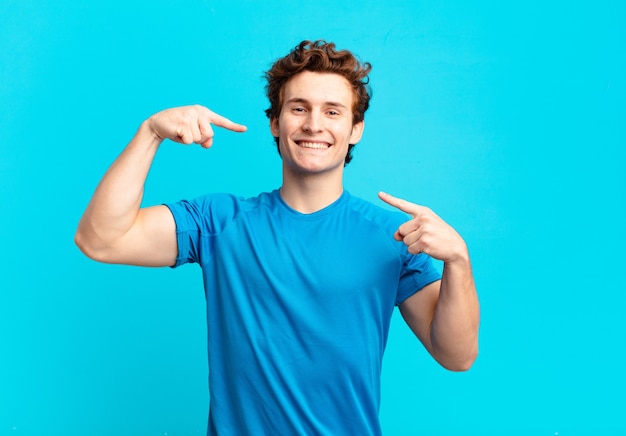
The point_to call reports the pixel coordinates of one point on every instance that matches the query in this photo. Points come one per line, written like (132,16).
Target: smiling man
(314,129)
(300,282)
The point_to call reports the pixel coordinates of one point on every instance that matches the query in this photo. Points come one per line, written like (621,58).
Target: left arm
(445,315)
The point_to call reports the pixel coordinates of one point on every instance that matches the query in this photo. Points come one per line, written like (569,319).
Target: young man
(300,282)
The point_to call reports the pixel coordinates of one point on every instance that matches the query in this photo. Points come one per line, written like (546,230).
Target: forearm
(454,331)
(115,204)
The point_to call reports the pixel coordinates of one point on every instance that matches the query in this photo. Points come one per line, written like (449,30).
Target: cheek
(284,128)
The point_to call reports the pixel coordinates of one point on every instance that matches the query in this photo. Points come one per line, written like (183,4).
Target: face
(315,127)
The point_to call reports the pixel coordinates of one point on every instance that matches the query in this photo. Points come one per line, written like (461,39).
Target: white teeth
(317,145)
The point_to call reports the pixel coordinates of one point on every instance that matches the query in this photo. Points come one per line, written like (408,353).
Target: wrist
(147,134)
(460,257)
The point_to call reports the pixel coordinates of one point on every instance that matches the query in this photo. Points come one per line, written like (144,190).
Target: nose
(312,123)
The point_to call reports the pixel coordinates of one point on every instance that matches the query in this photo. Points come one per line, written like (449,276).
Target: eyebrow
(326,103)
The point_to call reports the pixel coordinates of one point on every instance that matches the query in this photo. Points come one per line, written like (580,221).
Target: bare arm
(445,315)
(114,229)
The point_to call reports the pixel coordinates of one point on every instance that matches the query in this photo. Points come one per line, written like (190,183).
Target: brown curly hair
(322,57)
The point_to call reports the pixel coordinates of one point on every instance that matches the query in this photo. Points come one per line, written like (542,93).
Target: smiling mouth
(313,145)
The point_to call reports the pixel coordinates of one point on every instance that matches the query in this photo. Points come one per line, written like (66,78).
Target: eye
(333,112)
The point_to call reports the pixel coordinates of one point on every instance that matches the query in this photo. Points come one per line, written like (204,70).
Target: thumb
(403,205)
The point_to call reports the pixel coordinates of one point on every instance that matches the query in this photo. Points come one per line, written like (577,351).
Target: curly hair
(322,57)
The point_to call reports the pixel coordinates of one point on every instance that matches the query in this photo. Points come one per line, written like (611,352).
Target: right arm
(114,228)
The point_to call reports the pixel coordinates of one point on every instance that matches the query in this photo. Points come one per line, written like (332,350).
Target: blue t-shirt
(298,309)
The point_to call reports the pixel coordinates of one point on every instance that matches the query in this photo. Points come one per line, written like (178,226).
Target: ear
(274,126)
(357,132)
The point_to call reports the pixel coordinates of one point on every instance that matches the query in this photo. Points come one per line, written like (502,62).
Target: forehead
(318,88)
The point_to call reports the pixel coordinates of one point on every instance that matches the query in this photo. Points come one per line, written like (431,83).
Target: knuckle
(206,130)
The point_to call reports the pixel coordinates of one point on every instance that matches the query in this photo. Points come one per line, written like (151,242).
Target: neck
(311,193)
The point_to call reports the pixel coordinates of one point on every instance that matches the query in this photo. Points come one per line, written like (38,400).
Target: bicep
(151,241)
(418,312)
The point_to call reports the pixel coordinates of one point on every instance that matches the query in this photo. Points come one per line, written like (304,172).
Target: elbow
(83,244)
(460,363)
(87,246)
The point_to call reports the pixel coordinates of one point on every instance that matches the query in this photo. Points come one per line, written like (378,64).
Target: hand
(426,232)
(190,124)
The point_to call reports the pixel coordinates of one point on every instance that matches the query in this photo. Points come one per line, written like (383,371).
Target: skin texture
(444,315)
(113,228)
(314,130)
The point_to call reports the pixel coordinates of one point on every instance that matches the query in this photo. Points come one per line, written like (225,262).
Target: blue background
(506,118)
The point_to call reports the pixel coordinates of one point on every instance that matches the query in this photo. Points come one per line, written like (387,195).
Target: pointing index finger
(403,205)
(224,122)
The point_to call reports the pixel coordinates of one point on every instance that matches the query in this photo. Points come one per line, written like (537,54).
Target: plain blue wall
(509,120)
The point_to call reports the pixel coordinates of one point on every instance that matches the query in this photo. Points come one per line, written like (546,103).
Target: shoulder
(206,203)
(379,224)
(375,214)
(213,211)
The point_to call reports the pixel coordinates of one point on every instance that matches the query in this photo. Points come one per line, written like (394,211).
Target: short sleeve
(417,271)
(198,219)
